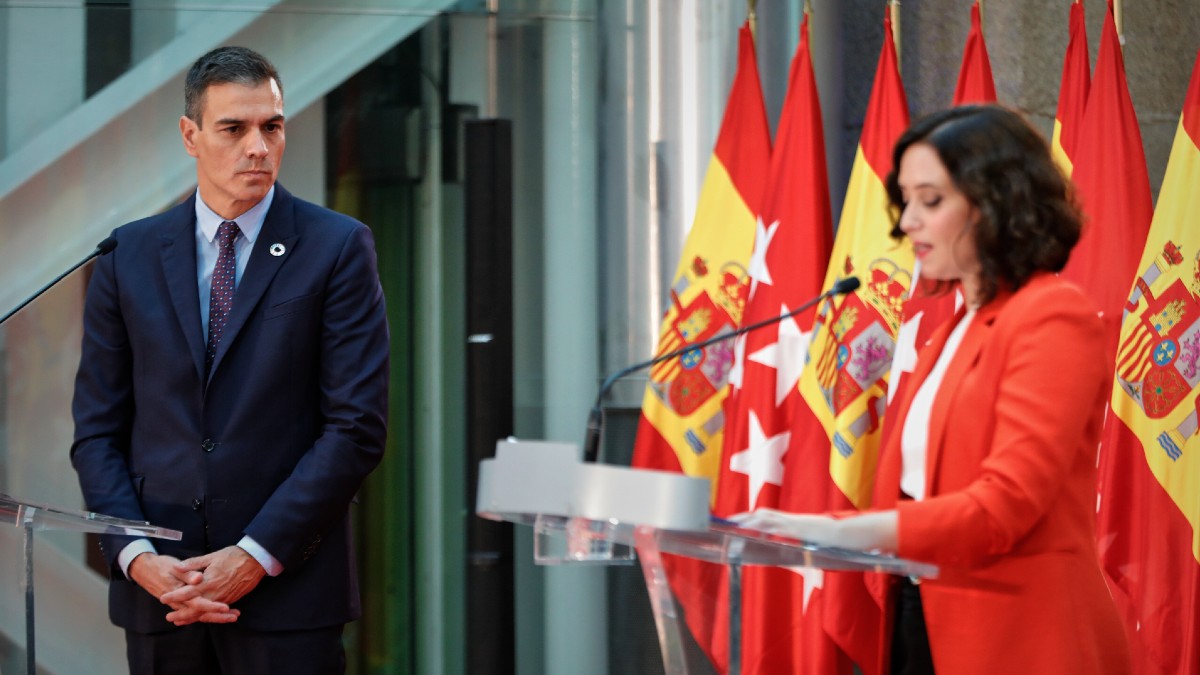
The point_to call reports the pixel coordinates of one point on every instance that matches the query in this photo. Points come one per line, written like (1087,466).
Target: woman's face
(938,220)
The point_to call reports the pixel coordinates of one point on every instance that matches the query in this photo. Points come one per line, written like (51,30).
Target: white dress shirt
(207,250)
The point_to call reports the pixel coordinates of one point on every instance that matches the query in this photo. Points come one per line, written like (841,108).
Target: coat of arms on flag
(1158,361)
(713,307)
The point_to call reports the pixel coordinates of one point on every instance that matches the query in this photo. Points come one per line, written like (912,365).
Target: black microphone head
(843,286)
(106,245)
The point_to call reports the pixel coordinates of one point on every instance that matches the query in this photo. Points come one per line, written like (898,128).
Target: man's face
(238,146)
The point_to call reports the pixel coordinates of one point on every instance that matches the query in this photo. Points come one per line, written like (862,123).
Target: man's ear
(188,130)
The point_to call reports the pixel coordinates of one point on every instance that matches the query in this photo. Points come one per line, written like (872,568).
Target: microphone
(105,246)
(595,424)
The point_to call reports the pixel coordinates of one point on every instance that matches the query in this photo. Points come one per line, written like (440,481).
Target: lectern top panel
(41,517)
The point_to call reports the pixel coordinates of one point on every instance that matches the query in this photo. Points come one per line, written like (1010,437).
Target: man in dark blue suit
(233,386)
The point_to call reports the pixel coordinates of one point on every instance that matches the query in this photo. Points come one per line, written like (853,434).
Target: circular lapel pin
(277,250)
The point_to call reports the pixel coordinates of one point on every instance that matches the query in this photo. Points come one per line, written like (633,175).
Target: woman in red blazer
(992,474)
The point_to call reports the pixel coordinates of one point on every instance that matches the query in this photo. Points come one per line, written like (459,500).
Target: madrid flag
(781,618)
(975,82)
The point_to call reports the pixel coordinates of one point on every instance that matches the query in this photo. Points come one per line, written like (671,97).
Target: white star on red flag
(814,578)
(758,270)
(786,355)
(762,460)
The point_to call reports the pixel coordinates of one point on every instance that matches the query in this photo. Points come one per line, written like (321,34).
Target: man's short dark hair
(220,66)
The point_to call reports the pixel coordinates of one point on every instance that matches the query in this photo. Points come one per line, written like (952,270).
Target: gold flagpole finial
(895,7)
(1118,20)
(752,18)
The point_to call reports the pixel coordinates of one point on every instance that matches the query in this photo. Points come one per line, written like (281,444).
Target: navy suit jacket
(273,443)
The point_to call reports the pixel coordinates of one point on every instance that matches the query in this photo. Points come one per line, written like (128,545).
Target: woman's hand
(814,528)
(867,532)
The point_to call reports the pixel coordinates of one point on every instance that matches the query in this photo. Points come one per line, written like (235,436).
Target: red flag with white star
(782,629)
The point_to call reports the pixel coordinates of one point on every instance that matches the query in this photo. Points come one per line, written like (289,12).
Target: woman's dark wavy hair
(1028,217)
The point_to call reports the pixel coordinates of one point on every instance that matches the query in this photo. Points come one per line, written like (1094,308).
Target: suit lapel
(964,359)
(279,227)
(178,256)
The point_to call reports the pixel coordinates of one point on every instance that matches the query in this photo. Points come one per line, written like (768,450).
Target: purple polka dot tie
(220,301)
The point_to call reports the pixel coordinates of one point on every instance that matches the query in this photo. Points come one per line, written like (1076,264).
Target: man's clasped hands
(201,589)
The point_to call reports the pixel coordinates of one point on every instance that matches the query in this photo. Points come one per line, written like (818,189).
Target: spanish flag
(849,360)
(682,423)
(853,337)
(1072,92)
(1149,509)
(845,381)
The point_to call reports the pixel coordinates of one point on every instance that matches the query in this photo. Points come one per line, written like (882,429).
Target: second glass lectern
(32,517)
(585,513)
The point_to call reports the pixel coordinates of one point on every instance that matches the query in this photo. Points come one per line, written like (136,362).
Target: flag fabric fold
(975,82)
(1149,507)
(682,423)
(1072,92)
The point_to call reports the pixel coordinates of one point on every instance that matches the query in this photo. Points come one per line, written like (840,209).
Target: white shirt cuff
(131,551)
(256,551)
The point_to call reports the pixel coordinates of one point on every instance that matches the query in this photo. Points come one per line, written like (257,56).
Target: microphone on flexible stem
(105,246)
(595,424)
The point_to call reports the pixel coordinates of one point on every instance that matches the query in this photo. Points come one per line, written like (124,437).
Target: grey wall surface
(1027,41)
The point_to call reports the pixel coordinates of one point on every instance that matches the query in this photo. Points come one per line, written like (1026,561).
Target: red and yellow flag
(782,627)
(1149,509)
(682,422)
(682,419)
(1072,93)
(1112,185)
(845,383)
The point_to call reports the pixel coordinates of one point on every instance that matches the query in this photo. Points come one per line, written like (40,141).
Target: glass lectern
(586,513)
(39,517)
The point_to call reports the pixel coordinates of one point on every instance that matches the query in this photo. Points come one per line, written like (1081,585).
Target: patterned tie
(221,299)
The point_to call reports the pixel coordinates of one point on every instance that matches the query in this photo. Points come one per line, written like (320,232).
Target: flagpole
(1117,19)
(895,5)
(752,18)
